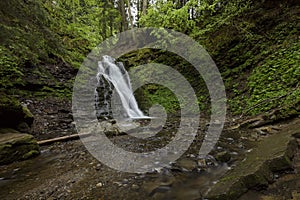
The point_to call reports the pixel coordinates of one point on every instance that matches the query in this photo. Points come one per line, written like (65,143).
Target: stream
(67,170)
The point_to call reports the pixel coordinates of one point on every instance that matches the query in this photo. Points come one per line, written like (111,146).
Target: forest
(254,45)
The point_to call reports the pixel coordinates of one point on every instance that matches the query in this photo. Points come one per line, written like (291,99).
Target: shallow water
(68,171)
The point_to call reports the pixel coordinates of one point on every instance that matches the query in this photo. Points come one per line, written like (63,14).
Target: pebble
(118,183)
(98,167)
(99,184)
(16,169)
(249,150)
(276,176)
(135,187)
(125,180)
(219,148)
(201,163)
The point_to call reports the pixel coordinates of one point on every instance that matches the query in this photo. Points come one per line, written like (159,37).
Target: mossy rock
(15,146)
(13,113)
(273,154)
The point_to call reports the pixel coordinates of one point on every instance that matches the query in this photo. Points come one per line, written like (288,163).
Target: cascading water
(112,75)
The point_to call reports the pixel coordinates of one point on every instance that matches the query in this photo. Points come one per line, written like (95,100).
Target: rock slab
(15,146)
(274,153)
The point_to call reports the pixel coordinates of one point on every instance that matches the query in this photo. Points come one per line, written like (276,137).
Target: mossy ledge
(15,146)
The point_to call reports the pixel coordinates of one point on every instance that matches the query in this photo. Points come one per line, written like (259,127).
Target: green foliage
(256,48)
(166,14)
(255,45)
(10,74)
(24,31)
(36,33)
(277,77)
(25,40)
(61,93)
(266,65)
(82,25)
(157,94)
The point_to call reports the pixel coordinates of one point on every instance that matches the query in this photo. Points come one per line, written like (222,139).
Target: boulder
(16,146)
(13,114)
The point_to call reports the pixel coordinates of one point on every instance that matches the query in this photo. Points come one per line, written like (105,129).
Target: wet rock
(202,163)
(161,185)
(160,189)
(223,156)
(109,128)
(186,164)
(265,130)
(206,161)
(16,146)
(272,154)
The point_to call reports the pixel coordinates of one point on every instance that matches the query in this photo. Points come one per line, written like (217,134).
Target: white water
(116,74)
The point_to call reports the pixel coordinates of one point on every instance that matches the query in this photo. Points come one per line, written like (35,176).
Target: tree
(122,9)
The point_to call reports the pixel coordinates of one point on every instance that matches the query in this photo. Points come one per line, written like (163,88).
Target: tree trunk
(129,14)
(123,14)
(104,35)
(145,6)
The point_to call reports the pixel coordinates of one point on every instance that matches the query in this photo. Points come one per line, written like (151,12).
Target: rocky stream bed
(247,163)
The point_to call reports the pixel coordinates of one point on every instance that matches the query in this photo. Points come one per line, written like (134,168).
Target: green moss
(274,83)
(61,92)
(256,170)
(27,113)
(13,113)
(15,146)
(266,65)
(30,154)
(227,178)
(5,146)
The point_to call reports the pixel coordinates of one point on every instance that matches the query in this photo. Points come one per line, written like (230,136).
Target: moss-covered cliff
(254,44)
(257,50)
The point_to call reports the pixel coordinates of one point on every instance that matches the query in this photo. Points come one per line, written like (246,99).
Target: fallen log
(62,138)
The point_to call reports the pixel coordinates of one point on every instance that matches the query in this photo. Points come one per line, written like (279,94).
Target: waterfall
(112,75)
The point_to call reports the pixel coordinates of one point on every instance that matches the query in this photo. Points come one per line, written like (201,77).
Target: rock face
(103,97)
(272,154)
(16,146)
